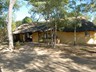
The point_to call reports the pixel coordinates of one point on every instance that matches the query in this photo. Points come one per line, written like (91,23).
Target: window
(87,33)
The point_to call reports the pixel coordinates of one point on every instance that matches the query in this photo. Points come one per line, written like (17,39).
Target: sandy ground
(40,59)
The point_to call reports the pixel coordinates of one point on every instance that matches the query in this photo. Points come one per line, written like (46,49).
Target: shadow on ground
(40,59)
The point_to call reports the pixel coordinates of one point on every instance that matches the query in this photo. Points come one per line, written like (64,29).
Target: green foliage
(4,4)
(48,8)
(3,29)
(94,21)
(18,23)
(91,6)
(17,45)
(2,23)
(27,20)
(3,35)
(13,26)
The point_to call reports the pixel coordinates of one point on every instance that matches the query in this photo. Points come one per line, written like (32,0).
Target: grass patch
(18,44)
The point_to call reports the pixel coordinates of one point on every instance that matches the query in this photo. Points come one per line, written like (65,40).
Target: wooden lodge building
(32,33)
(86,34)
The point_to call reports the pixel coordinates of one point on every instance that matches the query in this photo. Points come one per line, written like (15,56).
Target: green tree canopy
(27,20)
(48,8)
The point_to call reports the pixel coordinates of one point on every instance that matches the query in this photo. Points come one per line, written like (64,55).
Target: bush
(17,44)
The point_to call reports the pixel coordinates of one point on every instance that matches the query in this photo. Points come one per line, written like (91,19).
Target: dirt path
(40,59)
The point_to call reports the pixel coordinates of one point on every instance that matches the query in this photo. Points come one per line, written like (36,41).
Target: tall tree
(77,8)
(4,4)
(51,10)
(10,37)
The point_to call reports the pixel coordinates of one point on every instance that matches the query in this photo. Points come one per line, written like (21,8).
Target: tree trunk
(55,34)
(75,35)
(10,36)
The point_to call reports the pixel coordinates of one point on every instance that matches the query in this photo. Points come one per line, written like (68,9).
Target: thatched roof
(86,26)
(25,28)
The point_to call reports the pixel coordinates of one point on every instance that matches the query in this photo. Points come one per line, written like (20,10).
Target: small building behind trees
(32,33)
